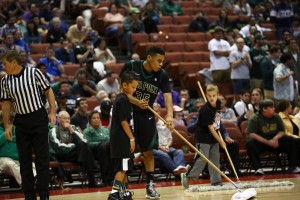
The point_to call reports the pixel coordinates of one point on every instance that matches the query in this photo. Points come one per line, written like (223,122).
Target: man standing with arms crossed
(22,88)
(152,79)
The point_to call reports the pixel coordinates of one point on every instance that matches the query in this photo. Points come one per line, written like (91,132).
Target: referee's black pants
(32,134)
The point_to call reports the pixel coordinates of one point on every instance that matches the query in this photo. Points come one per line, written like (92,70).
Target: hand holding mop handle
(226,151)
(194,148)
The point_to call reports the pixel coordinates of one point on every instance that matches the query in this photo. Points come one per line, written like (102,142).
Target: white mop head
(245,185)
(244,195)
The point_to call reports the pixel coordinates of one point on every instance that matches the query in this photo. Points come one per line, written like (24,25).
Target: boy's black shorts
(123,164)
(145,131)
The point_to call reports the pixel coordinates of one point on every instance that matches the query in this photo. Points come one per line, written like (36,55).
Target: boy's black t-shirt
(149,84)
(208,115)
(119,141)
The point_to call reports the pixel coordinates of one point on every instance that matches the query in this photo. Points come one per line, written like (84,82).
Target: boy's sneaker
(184,181)
(114,196)
(259,172)
(150,191)
(128,195)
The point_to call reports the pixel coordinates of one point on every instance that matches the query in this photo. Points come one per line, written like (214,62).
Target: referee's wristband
(133,139)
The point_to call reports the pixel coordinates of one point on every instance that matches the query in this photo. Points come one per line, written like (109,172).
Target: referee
(22,88)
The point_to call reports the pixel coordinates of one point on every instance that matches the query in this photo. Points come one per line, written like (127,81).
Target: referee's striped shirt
(24,90)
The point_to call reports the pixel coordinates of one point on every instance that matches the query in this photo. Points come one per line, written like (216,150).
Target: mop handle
(194,148)
(226,151)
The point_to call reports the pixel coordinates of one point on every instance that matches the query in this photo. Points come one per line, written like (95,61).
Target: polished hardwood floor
(173,190)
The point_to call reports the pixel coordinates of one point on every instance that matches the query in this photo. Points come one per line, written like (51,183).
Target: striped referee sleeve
(41,80)
(4,93)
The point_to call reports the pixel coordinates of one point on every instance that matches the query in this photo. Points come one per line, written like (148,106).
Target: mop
(240,195)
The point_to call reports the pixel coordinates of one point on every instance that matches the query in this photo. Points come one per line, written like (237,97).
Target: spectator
(17,8)
(80,118)
(293,49)
(268,64)
(243,6)
(42,29)
(110,83)
(290,122)
(61,100)
(55,34)
(9,44)
(219,53)
(64,27)
(84,87)
(9,157)
(101,95)
(186,103)
(66,144)
(283,81)
(258,14)
(53,65)
(227,4)
(46,15)
(241,107)
(256,98)
(135,56)
(257,54)
(10,27)
(221,21)
(178,116)
(199,23)
(151,11)
(240,64)
(240,21)
(31,13)
(112,96)
(266,132)
(281,21)
(65,52)
(171,8)
(78,32)
(86,9)
(105,114)
(170,158)
(26,60)
(19,41)
(226,114)
(147,17)
(65,89)
(91,68)
(245,31)
(132,24)
(98,139)
(295,27)
(63,78)
(32,34)
(113,21)
(103,53)
(175,96)
(85,51)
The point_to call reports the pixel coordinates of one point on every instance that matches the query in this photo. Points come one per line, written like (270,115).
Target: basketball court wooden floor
(173,191)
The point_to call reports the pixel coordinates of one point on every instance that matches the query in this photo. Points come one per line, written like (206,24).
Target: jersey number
(140,96)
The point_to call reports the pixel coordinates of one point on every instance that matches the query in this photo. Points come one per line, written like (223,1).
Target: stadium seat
(174,47)
(192,56)
(177,37)
(71,69)
(182,19)
(195,36)
(164,28)
(99,13)
(115,67)
(158,37)
(165,20)
(193,46)
(182,28)
(92,103)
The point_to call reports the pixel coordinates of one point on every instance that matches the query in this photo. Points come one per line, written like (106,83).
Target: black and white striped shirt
(24,90)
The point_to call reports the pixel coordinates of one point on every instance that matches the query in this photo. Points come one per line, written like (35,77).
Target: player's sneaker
(150,191)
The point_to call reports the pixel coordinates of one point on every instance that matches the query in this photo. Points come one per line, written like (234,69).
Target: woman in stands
(32,34)
(104,54)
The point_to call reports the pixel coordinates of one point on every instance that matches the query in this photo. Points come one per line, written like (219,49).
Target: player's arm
(140,103)
(169,108)
(128,132)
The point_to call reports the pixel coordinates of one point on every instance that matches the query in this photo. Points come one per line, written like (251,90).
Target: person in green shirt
(266,132)
(98,139)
